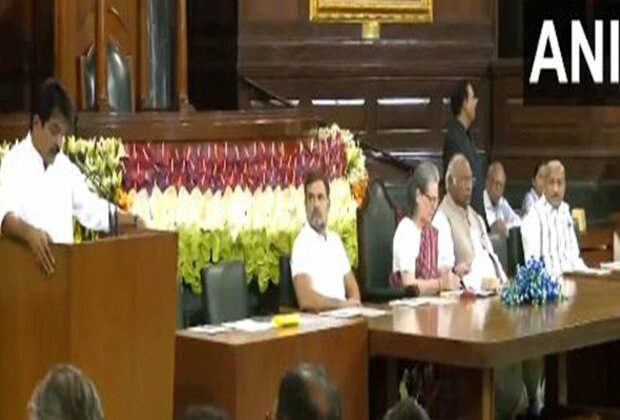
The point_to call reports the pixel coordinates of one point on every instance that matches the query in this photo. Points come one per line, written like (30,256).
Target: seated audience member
(538,183)
(500,216)
(321,272)
(407,409)
(548,229)
(198,412)
(65,394)
(307,393)
(474,259)
(415,248)
(464,232)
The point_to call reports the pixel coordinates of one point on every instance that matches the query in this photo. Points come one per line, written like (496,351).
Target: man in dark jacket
(458,139)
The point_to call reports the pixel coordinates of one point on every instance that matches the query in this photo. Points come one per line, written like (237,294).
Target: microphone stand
(112,210)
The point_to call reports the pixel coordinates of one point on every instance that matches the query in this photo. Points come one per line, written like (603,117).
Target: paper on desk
(209,329)
(420,301)
(249,325)
(593,271)
(612,265)
(354,312)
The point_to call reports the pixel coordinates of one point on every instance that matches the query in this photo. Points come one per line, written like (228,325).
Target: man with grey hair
(500,216)
(475,261)
(548,229)
(463,232)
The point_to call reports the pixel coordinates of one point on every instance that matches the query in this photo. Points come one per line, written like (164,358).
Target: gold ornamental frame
(383,11)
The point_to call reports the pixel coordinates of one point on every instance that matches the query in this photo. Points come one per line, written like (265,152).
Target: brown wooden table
(485,334)
(241,372)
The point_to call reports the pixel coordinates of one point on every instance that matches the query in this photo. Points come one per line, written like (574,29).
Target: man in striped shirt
(548,229)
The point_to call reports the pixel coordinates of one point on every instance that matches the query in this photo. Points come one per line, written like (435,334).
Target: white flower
(184,209)
(236,211)
(214,211)
(140,205)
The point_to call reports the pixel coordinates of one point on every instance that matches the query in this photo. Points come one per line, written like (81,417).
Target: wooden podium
(108,309)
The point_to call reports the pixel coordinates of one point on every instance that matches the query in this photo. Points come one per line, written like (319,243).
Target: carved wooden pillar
(181,59)
(64,46)
(100,49)
(143,66)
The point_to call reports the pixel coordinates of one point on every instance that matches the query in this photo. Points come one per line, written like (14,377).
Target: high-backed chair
(225,292)
(288,297)
(376,225)
(181,321)
(515,250)
(500,246)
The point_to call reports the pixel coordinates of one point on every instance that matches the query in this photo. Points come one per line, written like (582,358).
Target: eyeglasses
(432,199)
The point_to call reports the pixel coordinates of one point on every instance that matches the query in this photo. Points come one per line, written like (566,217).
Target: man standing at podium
(41,190)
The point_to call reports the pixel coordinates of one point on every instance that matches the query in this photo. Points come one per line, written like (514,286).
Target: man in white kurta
(48,198)
(41,190)
(500,215)
(548,230)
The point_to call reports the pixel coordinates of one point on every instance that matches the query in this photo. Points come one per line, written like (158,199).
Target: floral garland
(223,211)
(532,285)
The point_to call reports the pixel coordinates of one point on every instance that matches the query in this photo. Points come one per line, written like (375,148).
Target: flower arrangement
(257,227)
(532,285)
(356,171)
(101,162)
(4,147)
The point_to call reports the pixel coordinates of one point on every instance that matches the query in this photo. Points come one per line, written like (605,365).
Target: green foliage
(259,249)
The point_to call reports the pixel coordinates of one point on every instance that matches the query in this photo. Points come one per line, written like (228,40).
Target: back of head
(204,413)
(307,393)
(407,409)
(66,394)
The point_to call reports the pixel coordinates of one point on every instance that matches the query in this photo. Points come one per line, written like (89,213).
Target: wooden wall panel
(399,84)
(584,138)
(26,50)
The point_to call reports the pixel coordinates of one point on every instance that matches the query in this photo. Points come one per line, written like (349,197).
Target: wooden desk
(485,334)
(241,372)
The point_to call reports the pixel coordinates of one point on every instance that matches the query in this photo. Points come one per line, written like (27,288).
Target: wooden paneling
(241,372)
(212,54)
(109,309)
(412,68)
(26,50)
(171,126)
(584,138)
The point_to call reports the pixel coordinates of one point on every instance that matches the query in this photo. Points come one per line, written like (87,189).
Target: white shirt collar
(311,231)
(32,151)
(547,206)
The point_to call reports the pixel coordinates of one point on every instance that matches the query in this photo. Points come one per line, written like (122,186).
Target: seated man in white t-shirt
(322,275)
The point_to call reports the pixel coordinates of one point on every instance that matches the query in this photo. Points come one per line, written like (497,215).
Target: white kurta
(549,232)
(48,198)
